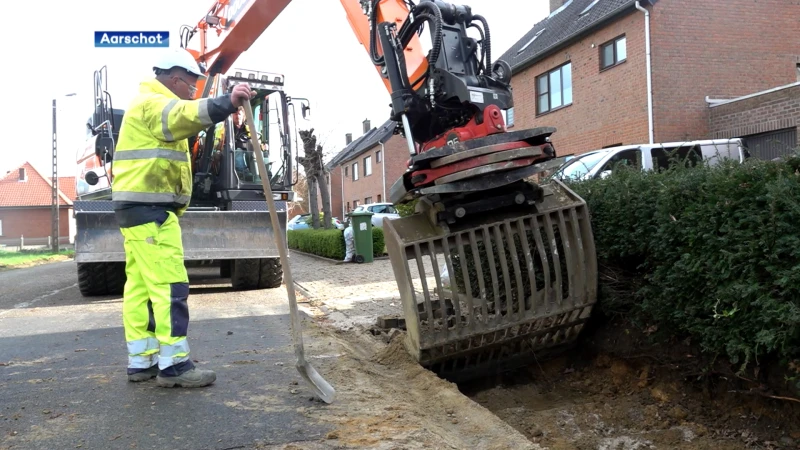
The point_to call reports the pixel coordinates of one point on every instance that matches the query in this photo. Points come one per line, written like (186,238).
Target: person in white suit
(350,244)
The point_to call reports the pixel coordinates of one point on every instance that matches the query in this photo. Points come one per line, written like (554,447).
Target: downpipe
(341,171)
(383,164)
(649,70)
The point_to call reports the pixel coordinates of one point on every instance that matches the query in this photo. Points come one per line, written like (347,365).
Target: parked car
(600,163)
(303,221)
(379,211)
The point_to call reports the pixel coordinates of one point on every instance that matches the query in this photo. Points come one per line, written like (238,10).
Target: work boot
(192,378)
(144,375)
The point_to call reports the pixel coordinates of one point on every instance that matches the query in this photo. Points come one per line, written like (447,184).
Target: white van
(600,163)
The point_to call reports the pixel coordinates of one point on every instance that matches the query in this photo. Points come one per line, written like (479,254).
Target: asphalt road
(63,359)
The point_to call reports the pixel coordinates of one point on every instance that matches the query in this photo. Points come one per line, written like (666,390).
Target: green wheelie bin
(362,235)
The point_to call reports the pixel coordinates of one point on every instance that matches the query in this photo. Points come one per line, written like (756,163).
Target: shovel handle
(280,238)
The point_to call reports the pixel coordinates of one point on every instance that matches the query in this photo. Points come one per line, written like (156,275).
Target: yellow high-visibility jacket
(152,163)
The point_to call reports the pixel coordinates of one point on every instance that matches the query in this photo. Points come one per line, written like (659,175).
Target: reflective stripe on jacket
(151,161)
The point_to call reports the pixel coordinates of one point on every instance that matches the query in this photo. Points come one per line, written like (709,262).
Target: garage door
(773,144)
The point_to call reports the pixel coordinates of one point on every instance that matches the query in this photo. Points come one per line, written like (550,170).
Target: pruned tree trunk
(317,179)
(325,197)
(312,202)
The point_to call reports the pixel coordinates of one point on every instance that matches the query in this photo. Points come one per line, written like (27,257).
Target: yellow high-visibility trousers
(155,308)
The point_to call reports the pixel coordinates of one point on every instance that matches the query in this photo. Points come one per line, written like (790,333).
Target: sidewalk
(352,294)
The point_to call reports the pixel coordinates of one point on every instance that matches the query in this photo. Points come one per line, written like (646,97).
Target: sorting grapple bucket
(496,290)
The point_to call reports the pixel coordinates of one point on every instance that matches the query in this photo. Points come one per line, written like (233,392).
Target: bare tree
(302,186)
(317,176)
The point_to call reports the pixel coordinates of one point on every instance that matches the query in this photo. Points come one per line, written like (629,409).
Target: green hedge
(709,253)
(329,243)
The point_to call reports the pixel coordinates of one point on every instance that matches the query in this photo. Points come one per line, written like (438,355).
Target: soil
(385,400)
(613,394)
(616,391)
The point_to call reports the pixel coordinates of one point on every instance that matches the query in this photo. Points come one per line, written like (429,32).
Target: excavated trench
(615,391)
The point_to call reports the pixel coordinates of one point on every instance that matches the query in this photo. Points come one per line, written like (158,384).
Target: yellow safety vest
(152,159)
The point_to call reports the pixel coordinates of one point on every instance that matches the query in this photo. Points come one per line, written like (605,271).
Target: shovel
(321,387)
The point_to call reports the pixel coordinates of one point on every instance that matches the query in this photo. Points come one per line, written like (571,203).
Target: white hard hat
(178,57)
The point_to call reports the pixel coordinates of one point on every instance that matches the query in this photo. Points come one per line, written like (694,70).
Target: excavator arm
(506,266)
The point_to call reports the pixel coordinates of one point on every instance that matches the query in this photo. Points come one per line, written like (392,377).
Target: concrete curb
(331,260)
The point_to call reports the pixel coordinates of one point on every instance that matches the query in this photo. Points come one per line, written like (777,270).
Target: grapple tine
(476,319)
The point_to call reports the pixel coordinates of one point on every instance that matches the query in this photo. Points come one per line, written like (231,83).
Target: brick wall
(609,107)
(34,224)
(773,111)
(395,158)
(717,48)
(336,192)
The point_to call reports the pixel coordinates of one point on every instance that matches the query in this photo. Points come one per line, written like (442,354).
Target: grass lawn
(26,258)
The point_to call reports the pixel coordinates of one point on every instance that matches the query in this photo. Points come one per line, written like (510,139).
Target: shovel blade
(323,390)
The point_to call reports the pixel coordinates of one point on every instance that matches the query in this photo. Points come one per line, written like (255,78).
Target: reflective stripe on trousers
(155,310)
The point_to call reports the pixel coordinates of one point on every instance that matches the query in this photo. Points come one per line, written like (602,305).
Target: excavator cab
(223,157)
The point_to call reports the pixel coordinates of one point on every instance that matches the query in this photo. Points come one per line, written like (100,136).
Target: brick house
(365,170)
(768,121)
(584,68)
(25,207)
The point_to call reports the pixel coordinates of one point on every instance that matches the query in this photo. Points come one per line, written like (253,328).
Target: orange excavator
(493,269)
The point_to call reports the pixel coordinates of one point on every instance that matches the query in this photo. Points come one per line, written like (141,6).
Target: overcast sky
(53,54)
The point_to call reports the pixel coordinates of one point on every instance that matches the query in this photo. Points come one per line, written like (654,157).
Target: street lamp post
(54,203)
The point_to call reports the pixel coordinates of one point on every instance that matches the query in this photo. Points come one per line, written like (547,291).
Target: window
(355,171)
(798,72)
(538,33)
(348,206)
(345,171)
(355,204)
(378,156)
(1,222)
(664,157)
(554,89)
(383,209)
(577,167)
(368,166)
(613,52)
(630,158)
(379,200)
(586,10)
(368,200)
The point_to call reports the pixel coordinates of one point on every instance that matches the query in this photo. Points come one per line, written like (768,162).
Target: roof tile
(562,27)
(34,190)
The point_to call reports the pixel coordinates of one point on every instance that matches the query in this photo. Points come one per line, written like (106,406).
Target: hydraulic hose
(436,32)
(487,45)
(373,17)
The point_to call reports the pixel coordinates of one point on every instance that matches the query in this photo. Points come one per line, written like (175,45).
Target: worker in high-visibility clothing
(151,188)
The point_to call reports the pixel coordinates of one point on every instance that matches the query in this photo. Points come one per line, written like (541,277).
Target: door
(773,144)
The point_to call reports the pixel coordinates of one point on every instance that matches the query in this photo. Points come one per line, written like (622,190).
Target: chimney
(348,138)
(555,4)
(367,127)
(22,176)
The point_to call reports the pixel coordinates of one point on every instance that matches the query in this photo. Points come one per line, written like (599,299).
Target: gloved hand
(240,94)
